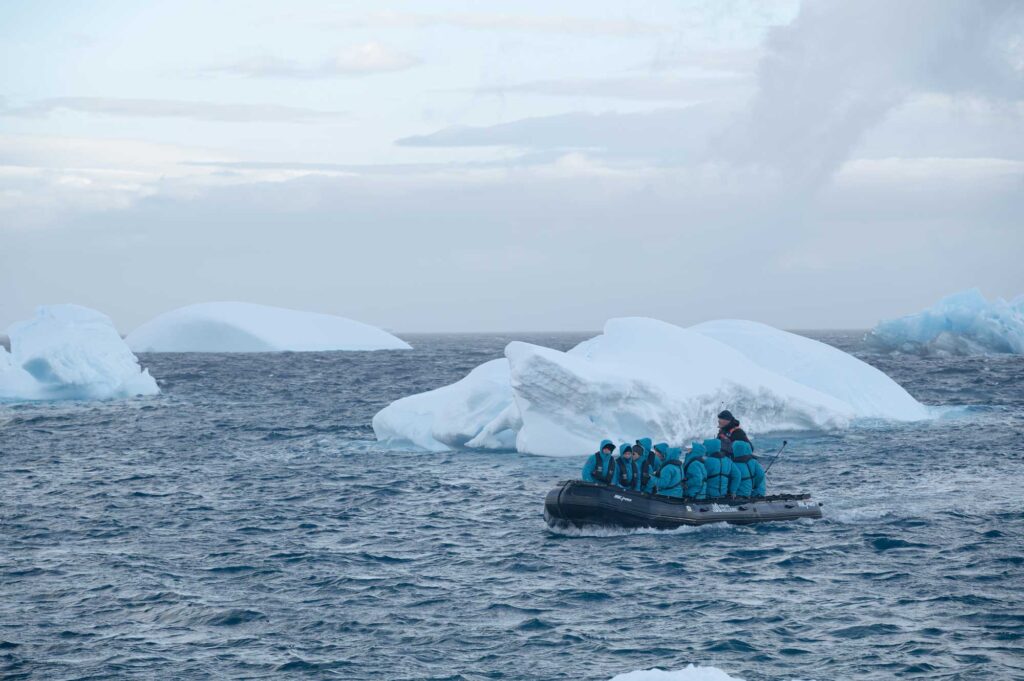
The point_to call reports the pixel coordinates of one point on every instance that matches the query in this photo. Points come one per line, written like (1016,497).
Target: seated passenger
(751,471)
(626,469)
(643,452)
(658,457)
(723,477)
(694,474)
(598,467)
(669,482)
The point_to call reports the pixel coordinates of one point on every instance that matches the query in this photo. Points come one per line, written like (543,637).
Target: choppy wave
(244,524)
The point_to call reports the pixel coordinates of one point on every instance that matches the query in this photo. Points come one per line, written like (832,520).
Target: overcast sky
(452,166)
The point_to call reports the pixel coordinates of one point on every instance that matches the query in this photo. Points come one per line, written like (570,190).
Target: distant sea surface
(244,524)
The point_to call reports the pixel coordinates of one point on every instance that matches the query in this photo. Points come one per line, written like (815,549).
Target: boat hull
(582,504)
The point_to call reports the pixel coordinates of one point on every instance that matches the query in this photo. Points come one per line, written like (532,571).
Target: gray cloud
(842,75)
(930,126)
(520,251)
(165,108)
(839,68)
(666,135)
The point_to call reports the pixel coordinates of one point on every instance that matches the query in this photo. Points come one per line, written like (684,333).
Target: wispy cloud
(167,108)
(697,88)
(358,60)
(666,136)
(717,60)
(507,22)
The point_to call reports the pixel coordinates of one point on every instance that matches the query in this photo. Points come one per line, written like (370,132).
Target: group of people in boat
(718,468)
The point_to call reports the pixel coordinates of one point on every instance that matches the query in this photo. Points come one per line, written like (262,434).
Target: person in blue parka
(669,482)
(695,475)
(599,466)
(647,462)
(723,477)
(626,470)
(751,471)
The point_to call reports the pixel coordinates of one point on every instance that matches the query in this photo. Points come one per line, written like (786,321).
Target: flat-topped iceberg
(645,377)
(965,323)
(70,352)
(247,327)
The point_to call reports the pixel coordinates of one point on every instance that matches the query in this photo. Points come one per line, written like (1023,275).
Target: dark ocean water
(244,524)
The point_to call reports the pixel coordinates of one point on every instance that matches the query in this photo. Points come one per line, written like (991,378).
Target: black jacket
(730,433)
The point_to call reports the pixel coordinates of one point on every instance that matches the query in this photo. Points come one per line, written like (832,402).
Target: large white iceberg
(645,377)
(247,327)
(965,323)
(69,352)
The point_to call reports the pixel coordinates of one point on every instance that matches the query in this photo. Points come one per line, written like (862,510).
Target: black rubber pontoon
(580,504)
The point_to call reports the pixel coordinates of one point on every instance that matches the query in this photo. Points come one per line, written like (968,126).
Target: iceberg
(964,323)
(247,327)
(646,377)
(70,352)
(689,673)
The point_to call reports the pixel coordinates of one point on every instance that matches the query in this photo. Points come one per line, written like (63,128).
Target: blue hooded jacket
(604,473)
(648,464)
(723,477)
(751,471)
(670,476)
(695,475)
(626,471)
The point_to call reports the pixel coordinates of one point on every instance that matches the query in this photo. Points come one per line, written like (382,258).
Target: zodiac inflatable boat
(581,504)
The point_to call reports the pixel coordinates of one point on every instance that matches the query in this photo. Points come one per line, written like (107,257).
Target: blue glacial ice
(965,323)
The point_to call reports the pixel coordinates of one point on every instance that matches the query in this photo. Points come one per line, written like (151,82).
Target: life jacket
(725,435)
(598,470)
(645,469)
(745,472)
(621,466)
(686,468)
(718,474)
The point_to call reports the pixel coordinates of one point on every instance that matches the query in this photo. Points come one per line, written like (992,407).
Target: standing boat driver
(729,431)
(600,466)
(627,472)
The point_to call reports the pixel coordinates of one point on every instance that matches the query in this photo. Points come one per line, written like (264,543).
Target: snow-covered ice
(452,416)
(965,323)
(818,365)
(247,327)
(646,377)
(689,673)
(69,352)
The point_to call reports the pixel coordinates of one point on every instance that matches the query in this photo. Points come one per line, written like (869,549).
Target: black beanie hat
(726,414)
